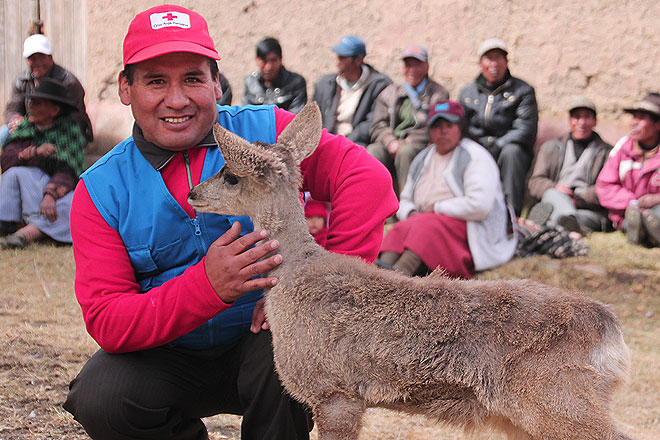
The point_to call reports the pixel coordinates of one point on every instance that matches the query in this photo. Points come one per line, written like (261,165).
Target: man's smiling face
(173,99)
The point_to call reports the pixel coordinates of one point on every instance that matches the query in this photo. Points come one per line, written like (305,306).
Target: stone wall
(607,50)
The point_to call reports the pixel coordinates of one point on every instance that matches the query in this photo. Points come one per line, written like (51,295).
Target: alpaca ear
(246,159)
(302,135)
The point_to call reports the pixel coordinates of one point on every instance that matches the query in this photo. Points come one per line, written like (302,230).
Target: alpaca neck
(286,224)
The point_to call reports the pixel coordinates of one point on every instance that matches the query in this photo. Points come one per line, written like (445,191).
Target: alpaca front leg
(339,417)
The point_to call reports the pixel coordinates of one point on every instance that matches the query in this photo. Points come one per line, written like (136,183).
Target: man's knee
(379,151)
(514,160)
(112,400)
(514,154)
(407,152)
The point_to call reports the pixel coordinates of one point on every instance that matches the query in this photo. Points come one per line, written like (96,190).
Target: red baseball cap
(451,111)
(166,29)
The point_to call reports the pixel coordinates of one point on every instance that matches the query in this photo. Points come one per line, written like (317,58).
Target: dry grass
(44,342)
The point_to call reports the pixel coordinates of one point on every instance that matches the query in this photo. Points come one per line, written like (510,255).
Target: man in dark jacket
(565,173)
(347,98)
(398,130)
(503,117)
(272,84)
(225,87)
(38,54)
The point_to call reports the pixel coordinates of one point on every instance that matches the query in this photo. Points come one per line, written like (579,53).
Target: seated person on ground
(38,55)
(40,167)
(398,131)
(347,98)
(629,183)
(273,84)
(564,177)
(502,114)
(452,208)
(225,87)
(316,215)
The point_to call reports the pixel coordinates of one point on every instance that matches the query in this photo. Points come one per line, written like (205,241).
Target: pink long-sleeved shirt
(625,177)
(121,319)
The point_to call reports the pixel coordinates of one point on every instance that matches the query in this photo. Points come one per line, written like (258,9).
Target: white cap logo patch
(168,19)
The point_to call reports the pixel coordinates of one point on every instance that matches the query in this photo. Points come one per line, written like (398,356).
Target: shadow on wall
(112,123)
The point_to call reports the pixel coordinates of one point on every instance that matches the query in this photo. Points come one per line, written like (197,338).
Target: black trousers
(163,392)
(514,162)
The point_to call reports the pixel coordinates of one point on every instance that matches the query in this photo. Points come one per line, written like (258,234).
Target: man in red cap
(172,296)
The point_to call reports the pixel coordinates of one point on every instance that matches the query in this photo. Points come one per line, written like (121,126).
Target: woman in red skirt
(452,209)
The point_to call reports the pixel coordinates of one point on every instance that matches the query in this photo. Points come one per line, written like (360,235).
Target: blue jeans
(4,135)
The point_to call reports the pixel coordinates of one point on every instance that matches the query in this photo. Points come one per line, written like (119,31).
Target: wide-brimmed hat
(167,29)
(451,111)
(52,90)
(350,46)
(649,104)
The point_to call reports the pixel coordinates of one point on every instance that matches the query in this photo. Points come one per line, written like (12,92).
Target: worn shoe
(7,228)
(651,224)
(13,241)
(570,223)
(384,265)
(540,213)
(633,224)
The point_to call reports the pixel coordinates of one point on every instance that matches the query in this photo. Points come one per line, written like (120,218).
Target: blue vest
(162,241)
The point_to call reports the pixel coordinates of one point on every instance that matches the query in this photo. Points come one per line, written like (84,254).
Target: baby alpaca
(533,361)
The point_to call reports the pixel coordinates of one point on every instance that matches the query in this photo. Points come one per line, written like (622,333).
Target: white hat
(37,43)
(490,44)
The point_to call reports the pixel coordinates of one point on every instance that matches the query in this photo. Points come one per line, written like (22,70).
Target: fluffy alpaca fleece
(533,361)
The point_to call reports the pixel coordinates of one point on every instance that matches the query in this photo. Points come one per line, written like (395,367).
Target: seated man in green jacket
(398,131)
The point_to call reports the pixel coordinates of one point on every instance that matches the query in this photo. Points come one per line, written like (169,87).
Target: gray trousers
(562,205)
(21,192)
(399,164)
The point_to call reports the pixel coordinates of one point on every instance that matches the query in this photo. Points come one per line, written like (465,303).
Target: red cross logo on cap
(170,19)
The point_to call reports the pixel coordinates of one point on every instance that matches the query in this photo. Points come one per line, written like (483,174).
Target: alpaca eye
(231,179)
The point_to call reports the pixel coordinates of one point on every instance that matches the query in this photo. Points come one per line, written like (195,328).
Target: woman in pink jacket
(629,183)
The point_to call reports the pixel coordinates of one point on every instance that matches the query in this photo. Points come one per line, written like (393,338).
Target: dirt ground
(43,342)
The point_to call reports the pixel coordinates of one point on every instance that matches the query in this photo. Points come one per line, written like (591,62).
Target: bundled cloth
(548,240)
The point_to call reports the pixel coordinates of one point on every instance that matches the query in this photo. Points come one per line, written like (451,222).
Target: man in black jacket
(503,117)
(347,98)
(272,84)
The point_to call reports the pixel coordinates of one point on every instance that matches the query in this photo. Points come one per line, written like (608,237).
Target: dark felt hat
(52,90)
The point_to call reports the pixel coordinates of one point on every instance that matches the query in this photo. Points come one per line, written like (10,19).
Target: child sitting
(316,214)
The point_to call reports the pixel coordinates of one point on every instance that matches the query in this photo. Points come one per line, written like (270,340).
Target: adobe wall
(607,50)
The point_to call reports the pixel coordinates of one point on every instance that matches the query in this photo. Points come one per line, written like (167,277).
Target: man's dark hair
(128,71)
(268,45)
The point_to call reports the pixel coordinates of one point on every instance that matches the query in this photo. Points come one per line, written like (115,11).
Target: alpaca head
(256,176)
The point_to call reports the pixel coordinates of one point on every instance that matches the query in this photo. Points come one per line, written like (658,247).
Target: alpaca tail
(611,357)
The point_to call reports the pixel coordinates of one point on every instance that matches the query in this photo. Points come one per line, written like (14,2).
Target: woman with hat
(629,183)
(452,208)
(40,167)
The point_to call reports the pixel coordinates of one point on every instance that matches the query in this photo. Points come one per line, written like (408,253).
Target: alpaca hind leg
(339,417)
